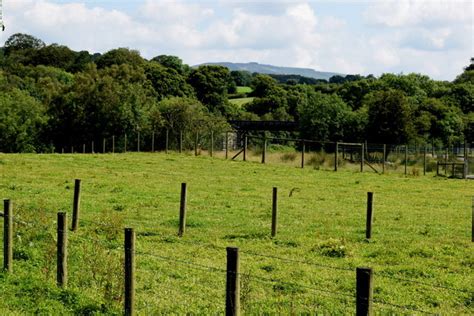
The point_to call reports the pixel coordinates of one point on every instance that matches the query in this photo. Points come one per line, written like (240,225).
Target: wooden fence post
(226,145)
(368,225)
(153,141)
(196,140)
(103,145)
(167,140)
(264,150)
(303,149)
(424,161)
(61,275)
(465,167)
(212,144)
(113,144)
(362,157)
(72,149)
(364,292)
(138,141)
(232,297)
(245,148)
(7,236)
(129,266)
(274,211)
(383,158)
(335,156)
(76,204)
(406,159)
(83,148)
(180,142)
(125,144)
(182,210)
(92,147)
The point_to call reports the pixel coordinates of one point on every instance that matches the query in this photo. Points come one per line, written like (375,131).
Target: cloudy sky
(425,36)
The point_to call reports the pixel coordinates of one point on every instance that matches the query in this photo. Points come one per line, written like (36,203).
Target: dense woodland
(52,96)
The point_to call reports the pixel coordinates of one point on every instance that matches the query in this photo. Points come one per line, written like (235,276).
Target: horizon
(434,38)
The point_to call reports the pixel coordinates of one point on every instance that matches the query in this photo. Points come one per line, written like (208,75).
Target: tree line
(52,96)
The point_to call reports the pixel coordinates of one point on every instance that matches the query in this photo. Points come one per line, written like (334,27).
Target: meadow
(421,249)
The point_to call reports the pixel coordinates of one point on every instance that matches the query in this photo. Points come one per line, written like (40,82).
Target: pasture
(421,249)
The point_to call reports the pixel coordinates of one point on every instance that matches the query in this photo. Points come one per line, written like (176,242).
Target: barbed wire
(377,301)
(423,283)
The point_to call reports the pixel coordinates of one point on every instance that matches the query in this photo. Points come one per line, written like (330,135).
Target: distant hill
(275,70)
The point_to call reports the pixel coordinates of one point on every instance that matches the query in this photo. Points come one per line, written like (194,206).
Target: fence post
(167,140)
(383,158)
(364,292)
(245,148)
(125,144)
(153,141)
(437,168)
(264,150)
(76,204)
(138,141)
(232,297)
(182,210)
(362,158)
(113,144)
(7,236)
(274,211)
(465,167)
(226,145)
(212,143)
(180,142)
(129,266)
(335,156)
(196,139)
(103,145)
(446,158)
(303,149)
(406,159)
(72,149)
(61,275)
(424,161)
(368,225)
(92,147)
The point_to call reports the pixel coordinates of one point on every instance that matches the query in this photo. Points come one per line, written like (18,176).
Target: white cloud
(405,13)
(412,36)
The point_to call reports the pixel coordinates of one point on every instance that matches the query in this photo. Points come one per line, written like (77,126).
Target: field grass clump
(421,233)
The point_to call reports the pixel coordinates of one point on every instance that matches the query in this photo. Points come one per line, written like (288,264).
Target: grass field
(421,249)
(244,89)
(241,101)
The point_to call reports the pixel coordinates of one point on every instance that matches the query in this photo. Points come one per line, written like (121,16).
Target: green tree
(22,42)
(324,117)
(120,56)
(389,117)
(211,84)
(22,119)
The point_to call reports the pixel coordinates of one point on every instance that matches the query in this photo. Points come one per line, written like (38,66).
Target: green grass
(241,101)
(243,89)
(421,232)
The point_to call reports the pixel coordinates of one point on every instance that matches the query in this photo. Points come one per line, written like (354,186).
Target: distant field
(241,101)
(243,89)
(421,248)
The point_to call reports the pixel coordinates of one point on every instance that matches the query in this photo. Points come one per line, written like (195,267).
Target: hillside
(275,70)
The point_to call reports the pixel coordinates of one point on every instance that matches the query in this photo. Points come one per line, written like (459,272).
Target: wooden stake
(7,236)
(368,226)
(364,292)
(182,210)
(274,211)
(76,204)
(61,275)
(264,151)
(232,297)
(129,266)
(303,149)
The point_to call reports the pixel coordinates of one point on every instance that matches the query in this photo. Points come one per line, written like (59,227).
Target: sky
(430,37)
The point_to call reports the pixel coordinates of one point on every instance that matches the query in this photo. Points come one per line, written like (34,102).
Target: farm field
(421,249)
(241,101)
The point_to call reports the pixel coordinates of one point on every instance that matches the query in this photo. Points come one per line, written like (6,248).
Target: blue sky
(432,37)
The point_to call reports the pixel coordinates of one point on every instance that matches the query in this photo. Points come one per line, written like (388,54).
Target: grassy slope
(241,101)
(421,231)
